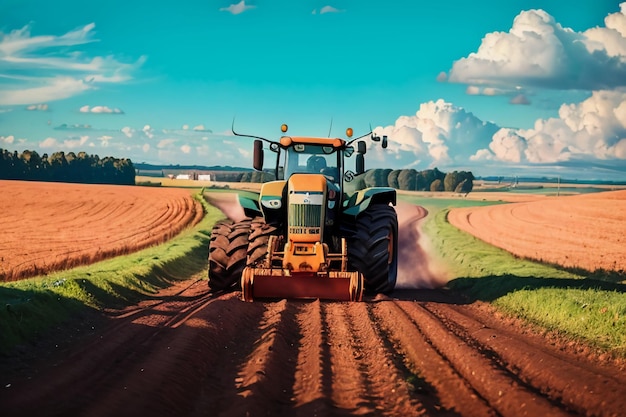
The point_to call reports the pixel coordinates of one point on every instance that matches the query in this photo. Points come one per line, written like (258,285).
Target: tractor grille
(305,215)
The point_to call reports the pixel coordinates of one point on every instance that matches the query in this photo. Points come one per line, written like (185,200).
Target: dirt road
(421,352)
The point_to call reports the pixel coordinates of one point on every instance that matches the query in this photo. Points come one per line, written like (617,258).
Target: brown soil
(420,352)
(52,226)
(584,231)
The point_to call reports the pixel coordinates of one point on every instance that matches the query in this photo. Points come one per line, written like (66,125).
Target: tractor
(308,234)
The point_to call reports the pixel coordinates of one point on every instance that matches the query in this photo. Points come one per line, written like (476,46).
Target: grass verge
(30,307)
(580,305)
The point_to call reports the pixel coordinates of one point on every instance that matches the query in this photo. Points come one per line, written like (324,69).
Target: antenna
(232,128)
(331,126)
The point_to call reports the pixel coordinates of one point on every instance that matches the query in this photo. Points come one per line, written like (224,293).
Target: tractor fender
(362,199)
(250,206)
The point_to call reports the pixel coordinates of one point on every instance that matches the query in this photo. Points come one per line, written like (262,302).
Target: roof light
(283,128)
(349,132)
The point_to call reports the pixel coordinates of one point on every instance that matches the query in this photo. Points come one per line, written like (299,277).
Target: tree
(406,179)
(451,180)
(436,185)
(392,179)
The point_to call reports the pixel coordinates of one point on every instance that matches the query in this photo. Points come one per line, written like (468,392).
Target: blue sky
(510,87)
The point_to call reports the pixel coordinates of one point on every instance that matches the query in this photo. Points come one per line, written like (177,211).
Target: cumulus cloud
(201,128)
(438,134)
(100,110)
(51,68)
(7,140)
(49,143)
(594,129)
(539,52)
(166,143)
(68,144)
(237,8)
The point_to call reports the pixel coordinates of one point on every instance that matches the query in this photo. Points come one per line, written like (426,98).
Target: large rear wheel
(228,253)
(260,233)
(373,249)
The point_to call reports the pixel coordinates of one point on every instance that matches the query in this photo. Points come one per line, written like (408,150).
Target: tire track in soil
(551,373)
(192,353)
(500,389)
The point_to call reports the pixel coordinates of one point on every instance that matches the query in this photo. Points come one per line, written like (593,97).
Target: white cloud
(42,89)
(128,131)
(592,130)
(201,128)
(437,134)
(329,9)
(237,8)
(75,143)
(52,68)
(100,110)
(185,149)
(7,140)
(148,131)
(49,143)
(165,143)
(538,52)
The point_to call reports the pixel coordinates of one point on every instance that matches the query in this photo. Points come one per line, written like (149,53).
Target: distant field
(170,182)
(584,231)
(51,226)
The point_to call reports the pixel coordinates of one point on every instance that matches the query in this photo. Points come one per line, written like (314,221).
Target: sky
(516,87)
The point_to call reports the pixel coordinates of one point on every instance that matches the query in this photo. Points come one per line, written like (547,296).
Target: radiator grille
(305,215)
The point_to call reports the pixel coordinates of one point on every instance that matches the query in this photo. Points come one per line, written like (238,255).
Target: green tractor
(306,235)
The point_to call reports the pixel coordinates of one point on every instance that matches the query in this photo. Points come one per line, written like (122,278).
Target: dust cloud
(416,268)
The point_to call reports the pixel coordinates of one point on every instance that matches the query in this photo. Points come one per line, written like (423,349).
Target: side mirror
(257,163)
(360,163)
(361,147)
(385,143)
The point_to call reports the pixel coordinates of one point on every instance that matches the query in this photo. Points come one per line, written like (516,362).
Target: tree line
(413,180)
(400,179)
(62,167)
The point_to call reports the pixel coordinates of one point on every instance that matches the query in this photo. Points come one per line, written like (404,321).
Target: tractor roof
(287,141)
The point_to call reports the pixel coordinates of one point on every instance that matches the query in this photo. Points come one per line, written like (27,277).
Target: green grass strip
(577,304)
(30,307)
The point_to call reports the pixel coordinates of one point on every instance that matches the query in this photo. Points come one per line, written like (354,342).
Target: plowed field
(422,353)
(188,352)
(584,231)
(51,226)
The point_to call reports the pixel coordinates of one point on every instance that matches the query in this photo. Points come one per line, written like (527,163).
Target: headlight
(273,203)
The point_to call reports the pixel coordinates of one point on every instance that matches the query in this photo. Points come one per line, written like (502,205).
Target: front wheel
(373,249)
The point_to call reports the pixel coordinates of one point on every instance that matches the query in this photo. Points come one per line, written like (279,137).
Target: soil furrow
(499,387)
(312,387)
(386,384)
(349,390)
(540,367)
(265,378)
(442,389)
